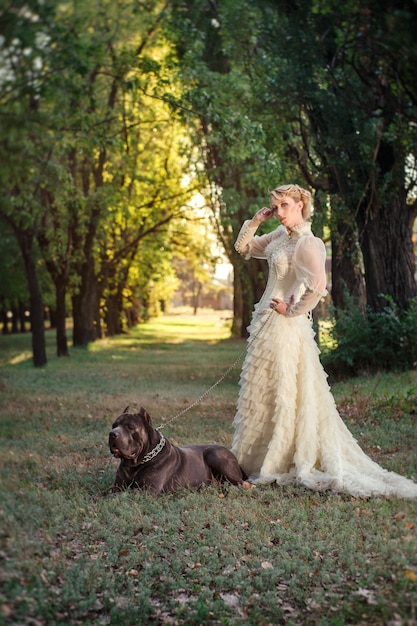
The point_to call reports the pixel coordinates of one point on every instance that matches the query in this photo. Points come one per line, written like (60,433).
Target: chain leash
(222,377)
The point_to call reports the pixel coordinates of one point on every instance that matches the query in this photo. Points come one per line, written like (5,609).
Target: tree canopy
(96,173)
(326,90)
(114,115)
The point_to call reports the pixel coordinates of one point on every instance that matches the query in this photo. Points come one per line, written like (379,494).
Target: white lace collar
(301,229)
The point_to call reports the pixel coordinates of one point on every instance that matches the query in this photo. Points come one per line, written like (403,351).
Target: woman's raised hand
(262,215)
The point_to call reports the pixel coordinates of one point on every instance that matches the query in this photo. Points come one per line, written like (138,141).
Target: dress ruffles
(287,427)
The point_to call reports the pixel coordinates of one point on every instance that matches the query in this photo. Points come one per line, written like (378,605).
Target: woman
(287,427)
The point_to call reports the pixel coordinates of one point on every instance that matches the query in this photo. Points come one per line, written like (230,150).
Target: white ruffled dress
(287,427)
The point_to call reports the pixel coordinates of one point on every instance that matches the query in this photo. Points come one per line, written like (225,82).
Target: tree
(24,152)
(121,149)
(355,130)
(338,118)
(228,127)
(30,176)
(107,155)
(14,295)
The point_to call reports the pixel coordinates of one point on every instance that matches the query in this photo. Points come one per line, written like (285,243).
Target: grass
(218,556)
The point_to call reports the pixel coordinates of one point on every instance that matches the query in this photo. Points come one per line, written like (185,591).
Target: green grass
(218,556)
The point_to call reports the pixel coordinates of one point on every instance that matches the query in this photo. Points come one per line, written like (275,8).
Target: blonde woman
(287,427)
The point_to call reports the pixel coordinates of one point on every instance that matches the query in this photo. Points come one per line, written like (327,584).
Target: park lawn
(222,555)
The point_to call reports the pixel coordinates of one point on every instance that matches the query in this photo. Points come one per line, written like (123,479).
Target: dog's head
(129,435)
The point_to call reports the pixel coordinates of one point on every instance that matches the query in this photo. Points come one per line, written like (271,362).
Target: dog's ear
(143,413)
(126,409)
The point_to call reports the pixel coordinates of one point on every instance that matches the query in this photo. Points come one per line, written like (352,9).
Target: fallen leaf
(183,598)
(367,594)
(230,599)
(6,610)
(44,577)
(410,574)
(396,620)
(312,604)
(132,572)
(123,602)
(266,565)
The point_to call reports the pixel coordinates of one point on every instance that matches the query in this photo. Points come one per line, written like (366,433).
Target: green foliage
(330,104)
(238,138)
(114,113)
(13,285)
(95,164)
(372,341)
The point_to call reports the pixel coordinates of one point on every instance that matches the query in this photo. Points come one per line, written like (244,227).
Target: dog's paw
(248,485)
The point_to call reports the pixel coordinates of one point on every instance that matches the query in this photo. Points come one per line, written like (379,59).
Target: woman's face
(288,211)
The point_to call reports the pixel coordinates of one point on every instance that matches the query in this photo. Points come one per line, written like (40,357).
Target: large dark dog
(149,461)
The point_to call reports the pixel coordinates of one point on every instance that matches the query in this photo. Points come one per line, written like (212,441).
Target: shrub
(371,341)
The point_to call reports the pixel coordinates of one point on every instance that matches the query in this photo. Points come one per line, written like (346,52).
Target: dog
(150,462)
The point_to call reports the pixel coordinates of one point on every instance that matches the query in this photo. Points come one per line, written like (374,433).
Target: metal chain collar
(153,453)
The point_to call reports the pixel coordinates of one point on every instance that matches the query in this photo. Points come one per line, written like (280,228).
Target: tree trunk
(347,277)
(35,299)
(386,241)
(113,314)
(5,321)
(15,318)
(84,305)
(196,296)
(249,284)
(60,319)
(22,319)
(110,290)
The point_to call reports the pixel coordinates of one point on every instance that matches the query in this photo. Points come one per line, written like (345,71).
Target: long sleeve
(309,261)
(308,301)
(249,245)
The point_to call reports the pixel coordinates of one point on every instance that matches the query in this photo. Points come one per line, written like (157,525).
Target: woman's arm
(310,266)
(250,245)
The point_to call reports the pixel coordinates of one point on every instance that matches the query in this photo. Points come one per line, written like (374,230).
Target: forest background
(136,137)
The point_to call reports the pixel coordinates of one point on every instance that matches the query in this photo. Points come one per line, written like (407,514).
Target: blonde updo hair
(298,194)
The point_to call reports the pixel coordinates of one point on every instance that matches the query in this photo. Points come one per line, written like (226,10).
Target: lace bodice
(296,264)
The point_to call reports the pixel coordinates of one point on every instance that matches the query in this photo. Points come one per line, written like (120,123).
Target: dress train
(287,427)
